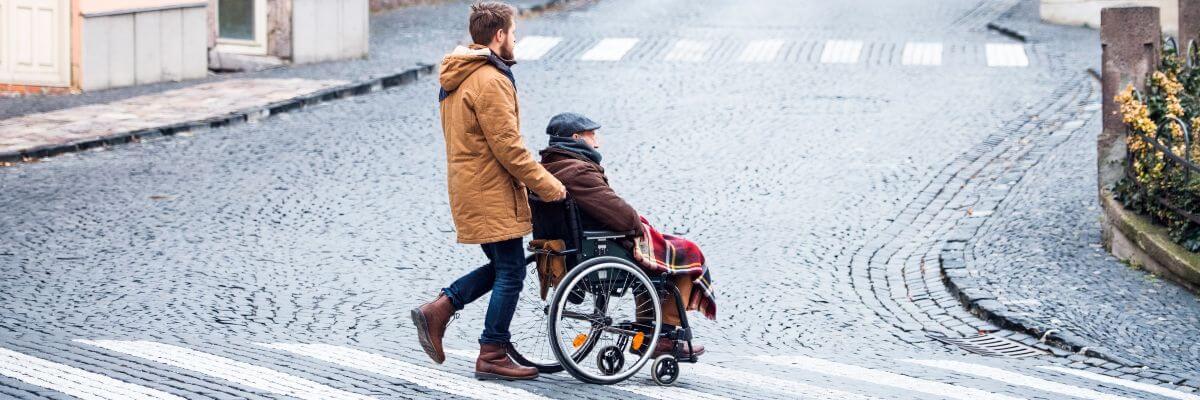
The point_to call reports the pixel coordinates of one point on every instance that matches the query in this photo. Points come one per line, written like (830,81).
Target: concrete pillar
(1189,23)
(1131,39)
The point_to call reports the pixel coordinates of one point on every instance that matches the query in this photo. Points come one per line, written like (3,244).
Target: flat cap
(569,123)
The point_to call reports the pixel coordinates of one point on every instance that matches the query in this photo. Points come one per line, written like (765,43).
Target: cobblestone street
(825,158)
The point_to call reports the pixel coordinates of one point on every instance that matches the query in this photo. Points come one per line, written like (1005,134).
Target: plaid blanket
(673,255)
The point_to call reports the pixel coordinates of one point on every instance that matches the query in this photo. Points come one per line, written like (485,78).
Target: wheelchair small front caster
(665,370)
(610,360)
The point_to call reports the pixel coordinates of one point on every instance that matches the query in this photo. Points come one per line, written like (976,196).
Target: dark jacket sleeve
(591,191)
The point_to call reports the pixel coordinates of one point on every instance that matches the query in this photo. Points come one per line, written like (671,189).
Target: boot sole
(487,376)
(423,336)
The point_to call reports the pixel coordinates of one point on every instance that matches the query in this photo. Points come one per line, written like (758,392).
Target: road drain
(989,345)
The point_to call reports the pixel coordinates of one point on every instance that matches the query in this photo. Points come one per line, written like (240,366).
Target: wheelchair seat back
(562,220)
(555,220)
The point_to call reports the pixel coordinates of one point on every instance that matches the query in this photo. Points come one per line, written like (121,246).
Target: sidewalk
(404,43)
(1036,264)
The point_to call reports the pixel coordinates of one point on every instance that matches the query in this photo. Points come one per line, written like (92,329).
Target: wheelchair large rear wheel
(528,344)
(609,304)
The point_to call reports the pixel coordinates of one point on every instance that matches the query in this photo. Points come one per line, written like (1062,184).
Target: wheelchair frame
(562,220)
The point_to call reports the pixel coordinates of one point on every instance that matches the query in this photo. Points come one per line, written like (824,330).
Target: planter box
(1134,238)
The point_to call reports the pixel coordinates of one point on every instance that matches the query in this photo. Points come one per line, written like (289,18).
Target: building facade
(62,46)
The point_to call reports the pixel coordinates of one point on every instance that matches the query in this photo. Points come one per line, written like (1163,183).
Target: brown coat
(587,184)
(488,165)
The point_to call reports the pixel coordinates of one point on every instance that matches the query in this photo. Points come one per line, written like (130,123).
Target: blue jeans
(503,275)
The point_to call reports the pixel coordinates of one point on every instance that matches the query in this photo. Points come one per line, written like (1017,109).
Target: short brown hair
(487,17)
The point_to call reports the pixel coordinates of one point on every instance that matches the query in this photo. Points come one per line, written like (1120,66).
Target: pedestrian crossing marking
(666,393)
(687,51)
(220,367)
(428,377)
(88,385)
(1013,378)
(761,51)
(654,392)
(534,47)
(767,50)
(883,378)
(916,53)
(1145,387)
(841,52)
(72,381)
(610,49)
(1006,55)
(799,389)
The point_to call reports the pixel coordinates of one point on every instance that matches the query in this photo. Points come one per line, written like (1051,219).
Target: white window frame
(258,46)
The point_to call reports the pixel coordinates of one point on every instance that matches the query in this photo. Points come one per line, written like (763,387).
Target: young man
(489,169)
(573,157)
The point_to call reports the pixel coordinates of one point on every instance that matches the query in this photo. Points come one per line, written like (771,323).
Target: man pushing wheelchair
(488,173)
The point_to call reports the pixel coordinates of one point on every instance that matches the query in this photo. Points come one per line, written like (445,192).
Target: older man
(573,157)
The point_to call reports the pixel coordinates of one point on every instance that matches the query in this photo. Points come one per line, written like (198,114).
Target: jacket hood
(460,64)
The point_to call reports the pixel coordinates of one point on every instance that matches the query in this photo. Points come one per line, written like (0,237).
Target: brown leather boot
(493,363)
(431,319)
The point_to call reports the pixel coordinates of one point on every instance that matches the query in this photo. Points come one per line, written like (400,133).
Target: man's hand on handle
(562,195)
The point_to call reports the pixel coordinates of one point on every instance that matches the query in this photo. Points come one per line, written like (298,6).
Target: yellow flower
(1134,112)
(1171,87)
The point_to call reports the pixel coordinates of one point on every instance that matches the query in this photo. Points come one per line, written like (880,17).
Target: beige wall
(107,6)
(1087,12)
(140,45)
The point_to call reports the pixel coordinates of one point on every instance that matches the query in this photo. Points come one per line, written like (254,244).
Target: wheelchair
(603,319)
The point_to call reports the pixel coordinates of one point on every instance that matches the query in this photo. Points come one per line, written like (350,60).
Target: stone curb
(544,6)
(1008,32)
(237,117)
(981,303)
(1133,237)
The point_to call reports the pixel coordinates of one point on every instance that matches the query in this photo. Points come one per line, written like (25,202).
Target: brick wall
(22,90)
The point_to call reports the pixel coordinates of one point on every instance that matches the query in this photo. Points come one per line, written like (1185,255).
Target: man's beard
(506,52)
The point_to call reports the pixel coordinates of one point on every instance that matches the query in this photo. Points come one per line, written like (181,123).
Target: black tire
(528,322)
(575,363)
(665,370)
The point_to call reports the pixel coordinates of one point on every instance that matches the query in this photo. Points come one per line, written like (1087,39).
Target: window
(241,26)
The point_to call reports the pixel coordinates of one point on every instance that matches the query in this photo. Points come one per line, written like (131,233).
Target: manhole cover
(989,345)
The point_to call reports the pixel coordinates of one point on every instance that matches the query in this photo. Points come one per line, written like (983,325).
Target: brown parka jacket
(587,184)
(488,165)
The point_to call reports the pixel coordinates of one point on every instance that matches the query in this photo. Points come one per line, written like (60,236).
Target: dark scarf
(501,64)
(575,146)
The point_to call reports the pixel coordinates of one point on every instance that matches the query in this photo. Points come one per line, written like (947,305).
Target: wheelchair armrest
(607,234)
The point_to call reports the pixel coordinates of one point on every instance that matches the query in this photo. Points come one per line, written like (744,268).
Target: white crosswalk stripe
(428,377)
(687,50)
(534,47)
(1013,378)
(1145,387)
(666,393)
(231,370)
(610,49)
(761,51)
(72,381)
(759,381)
(841,52)
(922,54)
(654,392)
(1006,55)
(884,378)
